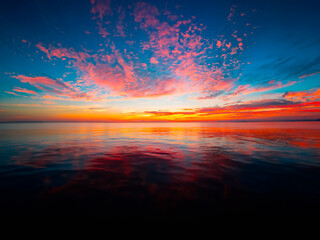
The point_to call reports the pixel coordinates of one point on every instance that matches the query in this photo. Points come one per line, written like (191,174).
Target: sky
(117,60)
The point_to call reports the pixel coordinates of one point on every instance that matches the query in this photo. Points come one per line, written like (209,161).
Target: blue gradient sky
(159,60)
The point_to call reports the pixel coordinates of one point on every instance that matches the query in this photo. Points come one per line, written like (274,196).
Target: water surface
(160,170)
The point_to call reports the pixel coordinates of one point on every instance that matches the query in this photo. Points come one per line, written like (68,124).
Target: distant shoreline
(240,121)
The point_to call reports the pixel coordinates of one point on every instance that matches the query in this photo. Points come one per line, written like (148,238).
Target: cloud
(101,8)
(173,57)
(309,75)
(13,93)
(23,90)
(154,61)
(63,53)
(271,85)
(267,109)
(182,48)
(57,88)
(304,96)
(232,12)
(120,26)
(41,81)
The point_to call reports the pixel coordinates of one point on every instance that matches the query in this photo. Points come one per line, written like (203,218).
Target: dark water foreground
(160,170)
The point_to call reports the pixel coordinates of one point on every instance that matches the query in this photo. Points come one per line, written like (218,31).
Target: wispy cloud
(23,90)
(53,88)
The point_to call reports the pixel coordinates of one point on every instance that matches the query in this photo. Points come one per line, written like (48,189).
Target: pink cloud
(102,11)
(232,12)
(63,52)
(178,44)
(309,75)
(23,90)
(12,93)
(56,87)
(120,25)
(183,50)
(101,8)
(154,61)
(36,81)
(146,15)
(272,85)
(219,44)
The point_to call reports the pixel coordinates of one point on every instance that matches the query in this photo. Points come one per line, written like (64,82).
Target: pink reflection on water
(78,144)
(163,164)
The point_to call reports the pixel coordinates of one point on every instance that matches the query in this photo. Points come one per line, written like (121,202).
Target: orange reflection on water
(77,144)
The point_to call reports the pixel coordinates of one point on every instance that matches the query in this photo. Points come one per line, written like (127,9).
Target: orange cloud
(310,95)
(269,109)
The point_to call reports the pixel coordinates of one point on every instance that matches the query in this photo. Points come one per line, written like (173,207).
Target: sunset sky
(101,60)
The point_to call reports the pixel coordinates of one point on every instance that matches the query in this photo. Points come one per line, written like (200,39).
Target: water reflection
(163,169)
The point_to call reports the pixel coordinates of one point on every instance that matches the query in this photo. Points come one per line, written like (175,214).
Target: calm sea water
(159,170)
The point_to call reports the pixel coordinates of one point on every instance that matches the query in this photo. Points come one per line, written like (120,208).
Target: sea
(183,171)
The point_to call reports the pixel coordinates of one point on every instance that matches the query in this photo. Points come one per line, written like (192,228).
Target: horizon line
(235,121)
